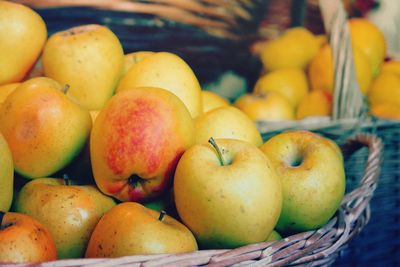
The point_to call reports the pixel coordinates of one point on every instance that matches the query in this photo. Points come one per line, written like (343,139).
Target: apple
(136,142)
(270,106)
(23,35)
(132,229)
(24,240)
(89,58)
(44,129)
(167,71)
(70,212)
(7,89)
(131,59)
(315,103)
(212,100)
(274,236)
(227,193)
(226,122)
(313,178)
(289,82)
(6,175)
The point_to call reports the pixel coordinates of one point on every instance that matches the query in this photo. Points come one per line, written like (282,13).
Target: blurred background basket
(218,37)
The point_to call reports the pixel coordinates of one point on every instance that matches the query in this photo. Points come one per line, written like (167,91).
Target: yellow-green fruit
(167,71)
(89,58)
(7,89)
(6,176)
(274,236)
(294,49)
(370,40)
(22,36)
(226,122)
(44,129)
(133,58)
(70,212)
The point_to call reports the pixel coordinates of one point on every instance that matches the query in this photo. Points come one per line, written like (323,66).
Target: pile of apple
(175,168)
(298,75)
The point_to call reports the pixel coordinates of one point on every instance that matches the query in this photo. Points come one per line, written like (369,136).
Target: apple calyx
(66,179)
(133,180)
(162,214)
(219,153)
(65,89)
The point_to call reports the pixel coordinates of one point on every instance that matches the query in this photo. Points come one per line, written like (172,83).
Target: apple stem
(214,144)
(65,89)
(66,179)
(2,213)
(162,214)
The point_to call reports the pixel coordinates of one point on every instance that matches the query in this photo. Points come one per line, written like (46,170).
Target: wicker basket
(207,37)
(317,248)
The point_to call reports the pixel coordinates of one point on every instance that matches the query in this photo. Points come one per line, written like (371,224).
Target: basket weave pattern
(319,247)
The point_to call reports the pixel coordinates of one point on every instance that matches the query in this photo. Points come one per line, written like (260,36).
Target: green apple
(313,178)
(6,175)
(228,193)
(274,236)
(24,240)
(70,212)
(23,34)
(89,58)
(44,129)
(226,122)
(132,229)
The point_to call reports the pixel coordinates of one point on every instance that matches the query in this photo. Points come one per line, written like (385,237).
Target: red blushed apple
(137,141)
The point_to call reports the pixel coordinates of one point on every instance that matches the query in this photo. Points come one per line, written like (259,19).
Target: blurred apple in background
(89,59)
(228,193)
(226,122)
(293,49)
(385,89)
(24,240)
(136,142)
(167,71)
(6,175)
(386,111)
(269,106)
(23,34)
(70,212)
(291,83)
(131,59)
(320,71)
(212,100)
(370,40)
(44,129)
(312,175)
(132,229)
(315,103)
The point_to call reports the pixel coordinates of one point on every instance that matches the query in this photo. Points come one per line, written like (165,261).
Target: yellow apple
(44,129)
(24,240)
(212,100)
(136,142)
(7,89)
(70,212)
(270,106)
(315,103)
(291,83)
(6,175)
(23,34)
(294,48)
(226,122)
(167,71)
(132,229)
(89,58)
(133,58)
(227,193)
(312,175)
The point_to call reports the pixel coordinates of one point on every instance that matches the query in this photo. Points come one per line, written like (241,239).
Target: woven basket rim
(316,246)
